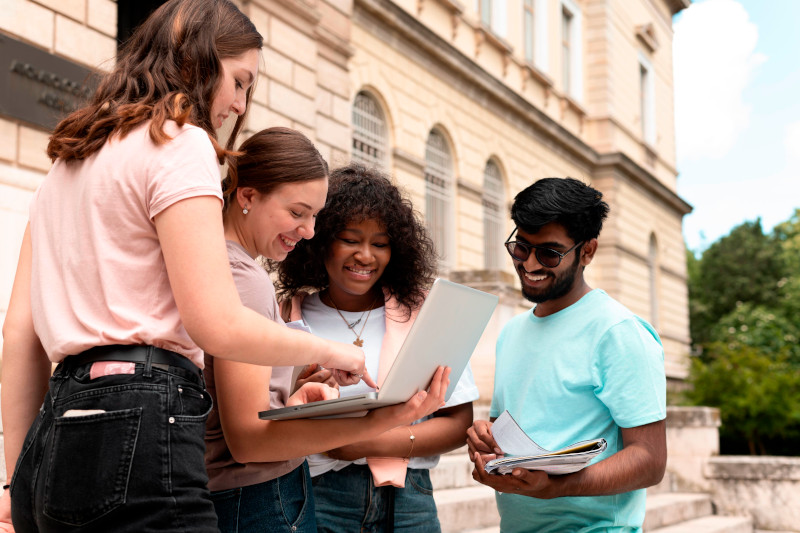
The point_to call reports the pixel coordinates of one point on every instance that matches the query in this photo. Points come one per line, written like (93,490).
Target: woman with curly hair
(257,472)
(368,268)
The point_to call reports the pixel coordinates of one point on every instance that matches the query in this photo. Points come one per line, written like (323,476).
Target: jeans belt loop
(148,363)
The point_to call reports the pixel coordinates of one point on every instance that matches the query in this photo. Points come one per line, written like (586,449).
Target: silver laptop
(446,331)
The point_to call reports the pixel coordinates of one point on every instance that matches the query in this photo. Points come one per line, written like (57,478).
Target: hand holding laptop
(399,415)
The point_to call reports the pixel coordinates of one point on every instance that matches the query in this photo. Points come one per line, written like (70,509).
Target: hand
(5,513)
(312,392)
(533,483)
(314,373)
(481,440)
(420,405)
(347,363)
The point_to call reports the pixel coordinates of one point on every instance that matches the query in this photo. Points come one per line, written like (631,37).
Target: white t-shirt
(325,322)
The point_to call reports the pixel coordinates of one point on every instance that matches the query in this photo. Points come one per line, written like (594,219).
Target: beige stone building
(464,102)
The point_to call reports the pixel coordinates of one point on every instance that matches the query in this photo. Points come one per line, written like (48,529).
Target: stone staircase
(466,506)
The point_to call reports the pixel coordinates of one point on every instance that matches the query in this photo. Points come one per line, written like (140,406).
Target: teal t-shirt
(581,373)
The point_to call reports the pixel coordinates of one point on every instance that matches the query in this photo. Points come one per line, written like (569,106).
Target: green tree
(762,328)
(755,392)
(744,266)
(744,305)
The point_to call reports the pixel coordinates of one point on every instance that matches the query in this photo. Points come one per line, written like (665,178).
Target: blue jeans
(282,504)
(348,501)
(137,467)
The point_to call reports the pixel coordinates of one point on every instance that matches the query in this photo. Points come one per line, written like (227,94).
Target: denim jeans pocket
(420,481)
(189,402)
(90,465)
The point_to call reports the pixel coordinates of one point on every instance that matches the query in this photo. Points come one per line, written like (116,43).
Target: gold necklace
(358,342)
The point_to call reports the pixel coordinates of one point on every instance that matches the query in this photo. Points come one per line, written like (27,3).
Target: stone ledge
(735,467)
(679,417)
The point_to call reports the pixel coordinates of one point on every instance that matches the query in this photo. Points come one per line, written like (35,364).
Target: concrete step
(452,472)
(666,509)
(710,524)
(466,508)
(667,484)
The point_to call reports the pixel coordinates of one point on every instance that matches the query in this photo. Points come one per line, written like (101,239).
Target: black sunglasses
(547,257)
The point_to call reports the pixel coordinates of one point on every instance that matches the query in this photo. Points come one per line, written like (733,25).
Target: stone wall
(765,487)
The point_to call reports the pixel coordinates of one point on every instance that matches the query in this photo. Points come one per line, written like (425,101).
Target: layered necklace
(352,325)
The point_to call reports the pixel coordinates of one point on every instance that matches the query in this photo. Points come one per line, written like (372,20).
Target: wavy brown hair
(357,193)
(271,158)
(169,69)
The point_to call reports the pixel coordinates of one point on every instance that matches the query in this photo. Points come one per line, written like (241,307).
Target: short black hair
(357,193)
(566,201)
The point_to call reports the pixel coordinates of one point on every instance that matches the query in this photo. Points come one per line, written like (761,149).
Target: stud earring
(245,211)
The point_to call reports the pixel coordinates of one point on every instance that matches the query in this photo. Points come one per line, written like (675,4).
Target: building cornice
(676,6)
(481,86)
(620,162)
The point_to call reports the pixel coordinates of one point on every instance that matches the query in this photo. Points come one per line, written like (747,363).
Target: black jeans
(137,466)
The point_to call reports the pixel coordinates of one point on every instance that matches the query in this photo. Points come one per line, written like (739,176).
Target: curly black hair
(358,193)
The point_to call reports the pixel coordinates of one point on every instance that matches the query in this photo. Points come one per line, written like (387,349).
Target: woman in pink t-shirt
(123,281)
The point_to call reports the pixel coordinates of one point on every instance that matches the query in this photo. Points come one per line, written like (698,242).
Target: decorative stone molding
(497,282)
(289,10)
(451,64)
(569,103)
(530,72)
(620,163)
(453,6)
(408,162)
(469,188)
(486,35)
(647,35)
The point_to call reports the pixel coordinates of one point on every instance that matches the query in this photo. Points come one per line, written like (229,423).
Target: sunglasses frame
(528,247)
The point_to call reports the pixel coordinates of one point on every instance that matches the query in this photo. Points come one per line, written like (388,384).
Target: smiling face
(553,289)
(356,260)
(275,222)
(238,74)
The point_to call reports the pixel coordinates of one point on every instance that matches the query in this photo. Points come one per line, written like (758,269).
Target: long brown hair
(169,69)
(271,158)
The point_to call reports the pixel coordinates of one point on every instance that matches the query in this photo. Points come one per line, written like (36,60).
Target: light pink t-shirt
(98,273)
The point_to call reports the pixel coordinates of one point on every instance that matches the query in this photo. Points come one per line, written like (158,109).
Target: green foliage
(756,393)
(761,328)
(744,306)
(744,266)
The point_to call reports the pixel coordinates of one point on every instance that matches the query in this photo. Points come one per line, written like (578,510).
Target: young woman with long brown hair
(123,281)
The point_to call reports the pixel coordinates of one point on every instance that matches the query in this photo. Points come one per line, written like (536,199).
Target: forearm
(26,371)
(279,345)
(280,440)
(445,431)
(634,467)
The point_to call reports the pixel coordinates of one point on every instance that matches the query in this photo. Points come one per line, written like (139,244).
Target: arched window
(493,201)
(439,196)
(652,263)
(370,137)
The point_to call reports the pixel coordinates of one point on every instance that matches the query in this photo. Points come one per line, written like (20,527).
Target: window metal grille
(493,200)
(370,137)
(439,195)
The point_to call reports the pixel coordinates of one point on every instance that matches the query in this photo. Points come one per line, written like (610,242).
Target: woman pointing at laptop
(257,471)
(370,264)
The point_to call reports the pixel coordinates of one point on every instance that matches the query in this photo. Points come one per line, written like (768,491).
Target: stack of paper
(522,452)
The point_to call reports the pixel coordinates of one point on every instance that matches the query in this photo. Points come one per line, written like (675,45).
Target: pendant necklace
(359,341)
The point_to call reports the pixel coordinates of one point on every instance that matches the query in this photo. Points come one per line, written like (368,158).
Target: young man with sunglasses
(578,366)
